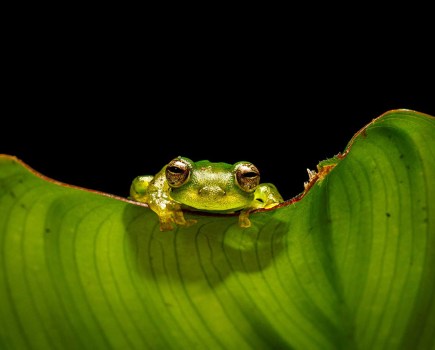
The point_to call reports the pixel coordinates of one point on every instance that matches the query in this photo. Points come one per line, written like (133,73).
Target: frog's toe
(270,204)
(180,220)
(190,222)
(166,226)
(245,223)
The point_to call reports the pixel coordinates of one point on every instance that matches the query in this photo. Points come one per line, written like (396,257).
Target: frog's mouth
(215,198)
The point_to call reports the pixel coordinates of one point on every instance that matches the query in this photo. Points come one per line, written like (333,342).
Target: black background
(99,110)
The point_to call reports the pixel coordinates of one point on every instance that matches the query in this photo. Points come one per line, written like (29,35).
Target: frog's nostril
(211,191)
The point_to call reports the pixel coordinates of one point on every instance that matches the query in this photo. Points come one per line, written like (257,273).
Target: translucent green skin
(210,187)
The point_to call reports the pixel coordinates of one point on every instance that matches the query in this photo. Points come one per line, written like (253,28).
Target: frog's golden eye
(177,172)
(247,176)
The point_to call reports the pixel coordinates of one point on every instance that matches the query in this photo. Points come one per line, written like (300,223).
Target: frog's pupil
(176,170)
(250,174)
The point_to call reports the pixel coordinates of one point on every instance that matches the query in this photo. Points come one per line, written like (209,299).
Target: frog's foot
(267,196)
(166,225)
(244,218)
(168,219)
(180,220)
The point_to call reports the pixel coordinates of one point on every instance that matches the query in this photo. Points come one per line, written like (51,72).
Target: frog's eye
(177,172)
(247,176)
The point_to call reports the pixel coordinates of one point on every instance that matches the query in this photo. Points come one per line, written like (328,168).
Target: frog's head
(212,186)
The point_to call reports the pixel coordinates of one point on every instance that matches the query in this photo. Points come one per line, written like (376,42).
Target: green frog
(205,186)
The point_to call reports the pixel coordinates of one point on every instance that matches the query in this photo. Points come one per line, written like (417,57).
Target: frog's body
(205,186)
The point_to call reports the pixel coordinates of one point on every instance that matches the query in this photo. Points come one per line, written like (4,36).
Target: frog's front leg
(169,212)
(244,218)
(154,191)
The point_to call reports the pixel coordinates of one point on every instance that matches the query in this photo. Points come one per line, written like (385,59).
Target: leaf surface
(350,265)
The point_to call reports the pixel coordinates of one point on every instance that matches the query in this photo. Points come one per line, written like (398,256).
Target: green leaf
(350,264)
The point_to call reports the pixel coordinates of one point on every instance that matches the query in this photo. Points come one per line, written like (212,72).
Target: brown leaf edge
(323,169)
